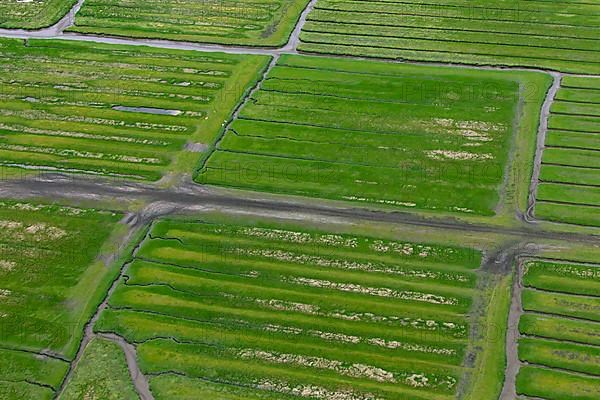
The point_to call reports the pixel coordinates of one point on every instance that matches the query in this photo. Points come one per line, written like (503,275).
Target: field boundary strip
(513,364)
(240,105)
(404,32)
(230,49)
(541,144)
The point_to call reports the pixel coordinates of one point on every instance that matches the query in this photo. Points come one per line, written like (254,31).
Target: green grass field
(377,133)
(554,327)
(561,326)
(574,357)
(101,374)
(556,385)
(569,189)
(29,376)
(559,35)
(257,312)
(557,277)
(50,285)
(33,14)
(61,106)
(583,307)
(245,22)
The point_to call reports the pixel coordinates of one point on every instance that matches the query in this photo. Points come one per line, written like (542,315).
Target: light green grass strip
(102,373)
(568,356)
(558,328)
(556,385)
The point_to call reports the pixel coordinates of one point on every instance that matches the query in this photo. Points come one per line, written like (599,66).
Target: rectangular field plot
(123,111)
(238,311)
(240,22)
(49,284)
(33,14)
(559,331)
(375,132)
(569,184)
(559,35)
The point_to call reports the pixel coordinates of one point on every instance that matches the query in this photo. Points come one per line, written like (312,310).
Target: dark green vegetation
(377,133)
(33,14)
(101,374)
(49,287)
(561,325)
(256,312)
(569,189)
(240,22)
(560,35)
(59,106)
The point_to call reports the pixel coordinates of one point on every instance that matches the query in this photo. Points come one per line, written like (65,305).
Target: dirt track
(190,197)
